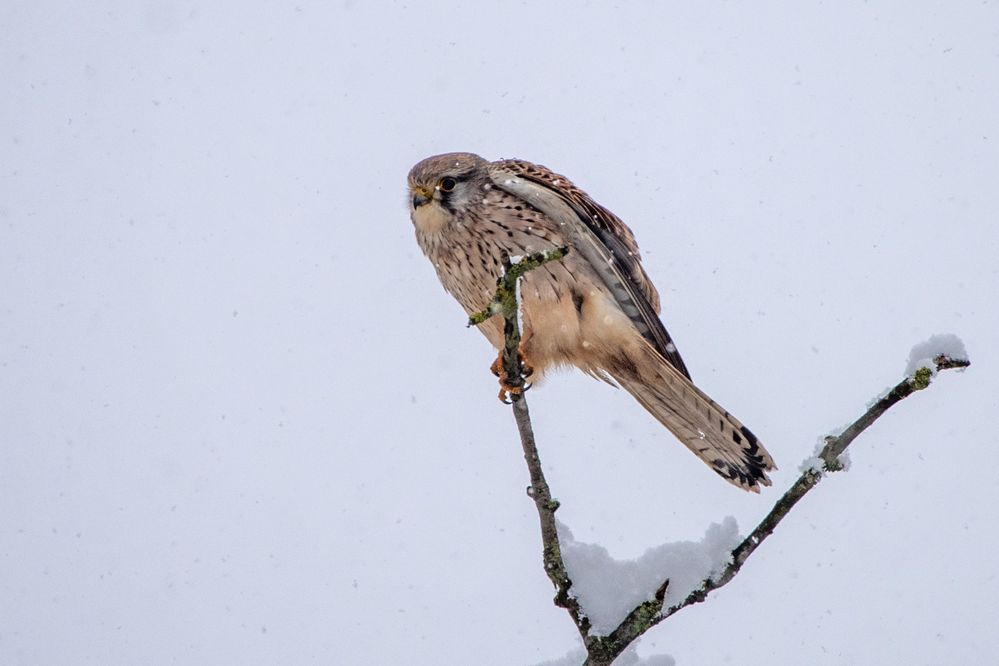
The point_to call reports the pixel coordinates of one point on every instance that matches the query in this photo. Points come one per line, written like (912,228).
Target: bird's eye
(447,184)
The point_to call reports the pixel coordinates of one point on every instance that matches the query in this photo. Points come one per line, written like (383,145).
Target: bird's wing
(601,237)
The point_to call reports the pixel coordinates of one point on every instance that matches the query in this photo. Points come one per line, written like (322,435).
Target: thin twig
(505,303)
(834,447)
(547,506)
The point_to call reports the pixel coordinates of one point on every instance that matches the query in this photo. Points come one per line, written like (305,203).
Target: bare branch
(546,506)
(505,304)
(829,454)
(602,650)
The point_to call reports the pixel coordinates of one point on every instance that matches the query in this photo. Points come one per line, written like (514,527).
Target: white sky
(240,421)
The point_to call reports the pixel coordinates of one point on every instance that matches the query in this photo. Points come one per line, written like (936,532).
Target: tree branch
(505,303)
(602,650)
(833,448)
(618,640)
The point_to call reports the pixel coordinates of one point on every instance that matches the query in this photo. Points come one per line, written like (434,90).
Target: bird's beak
(421,196)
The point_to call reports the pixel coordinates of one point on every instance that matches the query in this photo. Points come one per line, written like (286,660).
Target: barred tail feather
(714,435)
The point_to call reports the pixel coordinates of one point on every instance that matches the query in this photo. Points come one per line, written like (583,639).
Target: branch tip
(944,362)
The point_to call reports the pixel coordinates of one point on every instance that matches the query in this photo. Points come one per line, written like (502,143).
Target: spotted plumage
(596,309)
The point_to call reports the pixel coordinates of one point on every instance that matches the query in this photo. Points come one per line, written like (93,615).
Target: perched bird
(595,309)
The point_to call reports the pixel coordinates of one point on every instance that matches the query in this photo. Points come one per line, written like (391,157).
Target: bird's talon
(506,389)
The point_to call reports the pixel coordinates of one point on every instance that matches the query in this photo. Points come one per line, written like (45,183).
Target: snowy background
(241,422)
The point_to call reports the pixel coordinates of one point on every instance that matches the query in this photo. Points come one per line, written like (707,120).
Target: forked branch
(602,650)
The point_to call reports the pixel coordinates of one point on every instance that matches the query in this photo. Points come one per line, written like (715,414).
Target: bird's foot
(511,386)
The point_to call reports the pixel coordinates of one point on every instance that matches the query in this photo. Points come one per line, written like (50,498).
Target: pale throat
(430,218)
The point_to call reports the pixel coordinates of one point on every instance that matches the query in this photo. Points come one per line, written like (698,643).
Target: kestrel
(595,309)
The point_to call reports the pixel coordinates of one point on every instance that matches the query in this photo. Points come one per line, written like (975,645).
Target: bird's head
(442,186)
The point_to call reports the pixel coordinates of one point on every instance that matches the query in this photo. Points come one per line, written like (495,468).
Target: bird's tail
(714,435)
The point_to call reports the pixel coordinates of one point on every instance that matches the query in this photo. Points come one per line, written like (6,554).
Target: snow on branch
(609,589)
(687,572)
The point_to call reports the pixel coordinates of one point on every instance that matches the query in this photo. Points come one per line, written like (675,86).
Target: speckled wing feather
(605,240)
